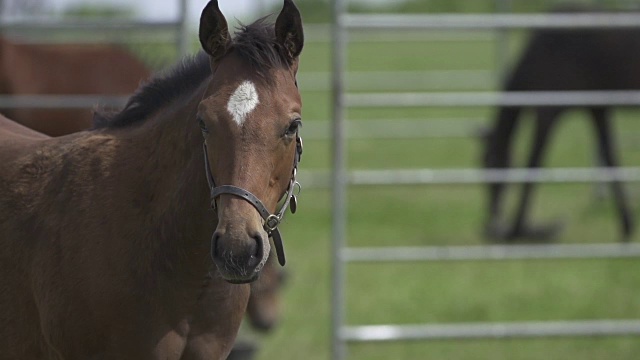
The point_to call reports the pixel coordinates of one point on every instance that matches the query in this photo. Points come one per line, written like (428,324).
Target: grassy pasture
(456,292)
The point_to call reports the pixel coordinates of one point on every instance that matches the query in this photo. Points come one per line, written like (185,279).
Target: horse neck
(170,159)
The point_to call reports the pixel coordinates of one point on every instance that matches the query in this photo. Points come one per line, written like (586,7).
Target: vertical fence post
(182,41)
(339,181)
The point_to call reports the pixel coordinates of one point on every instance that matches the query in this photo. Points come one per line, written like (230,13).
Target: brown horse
(263,309)
(65,69)
(106,235)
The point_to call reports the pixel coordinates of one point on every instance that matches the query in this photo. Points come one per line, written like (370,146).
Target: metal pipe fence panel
(341,178)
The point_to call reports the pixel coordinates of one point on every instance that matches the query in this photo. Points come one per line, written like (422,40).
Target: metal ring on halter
(271,223)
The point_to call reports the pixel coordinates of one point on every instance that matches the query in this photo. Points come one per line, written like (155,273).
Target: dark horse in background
(109,248)
(561,60)
(65,69)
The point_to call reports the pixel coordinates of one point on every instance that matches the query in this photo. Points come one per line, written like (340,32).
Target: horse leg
(545,119)
(609,157)
(498,156)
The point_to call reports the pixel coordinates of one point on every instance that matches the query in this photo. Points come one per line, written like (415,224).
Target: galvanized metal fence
(90,30)
(342,178)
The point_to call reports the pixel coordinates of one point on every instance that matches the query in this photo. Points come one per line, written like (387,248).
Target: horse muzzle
(239,256)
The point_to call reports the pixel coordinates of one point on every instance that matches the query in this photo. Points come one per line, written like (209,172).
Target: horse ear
(289,33)
(213,32)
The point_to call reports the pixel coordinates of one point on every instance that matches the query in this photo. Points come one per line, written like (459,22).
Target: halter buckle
(271,222)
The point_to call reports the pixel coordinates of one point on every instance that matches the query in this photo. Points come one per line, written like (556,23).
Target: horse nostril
(255,249)
(215,252)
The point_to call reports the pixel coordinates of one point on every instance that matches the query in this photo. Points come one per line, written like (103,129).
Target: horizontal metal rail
(513,98)
(490,252)
(322,33)
(491,330)
(402,80)
(431,128)
(523,98)
(481,176)
(61,101)
(385,177)
(398,128)
(87,25)
(489,21)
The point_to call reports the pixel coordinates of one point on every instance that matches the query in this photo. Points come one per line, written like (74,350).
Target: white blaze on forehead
(242,102)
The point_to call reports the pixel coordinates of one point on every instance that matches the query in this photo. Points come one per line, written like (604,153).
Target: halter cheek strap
(271,221)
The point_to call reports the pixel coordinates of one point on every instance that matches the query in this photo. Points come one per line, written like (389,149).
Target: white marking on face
(242,102)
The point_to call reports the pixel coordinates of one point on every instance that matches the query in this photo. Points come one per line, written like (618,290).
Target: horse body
(65,69)
(562,60)
(84,273)
(263,308)
(106,235)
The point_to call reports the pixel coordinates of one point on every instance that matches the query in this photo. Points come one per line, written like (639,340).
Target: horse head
(250,116)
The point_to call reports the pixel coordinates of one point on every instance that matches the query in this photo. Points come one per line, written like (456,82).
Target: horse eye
(293,127)
(203,126)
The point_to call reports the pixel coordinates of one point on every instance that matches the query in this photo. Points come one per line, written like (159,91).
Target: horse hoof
(496,232)
(537,234)
(628,228)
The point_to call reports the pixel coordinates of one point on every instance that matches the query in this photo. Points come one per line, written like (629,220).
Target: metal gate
(344,22)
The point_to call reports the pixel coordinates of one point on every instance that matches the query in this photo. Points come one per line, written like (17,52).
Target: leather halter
(271,221)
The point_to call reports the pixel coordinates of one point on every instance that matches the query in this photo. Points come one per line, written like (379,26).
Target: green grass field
(412,293)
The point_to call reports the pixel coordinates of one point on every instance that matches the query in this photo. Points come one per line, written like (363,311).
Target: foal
(108,245)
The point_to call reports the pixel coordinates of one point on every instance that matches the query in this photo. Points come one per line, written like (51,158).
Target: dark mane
(180,80)
(256,43)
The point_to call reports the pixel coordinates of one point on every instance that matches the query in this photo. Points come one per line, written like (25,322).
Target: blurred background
(452,63)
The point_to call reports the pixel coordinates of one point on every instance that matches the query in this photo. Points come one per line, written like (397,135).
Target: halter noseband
(271,221)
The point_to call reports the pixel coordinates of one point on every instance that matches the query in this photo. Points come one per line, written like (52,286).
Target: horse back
(16,138)
(10,129)
(65,69)
(578,60)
